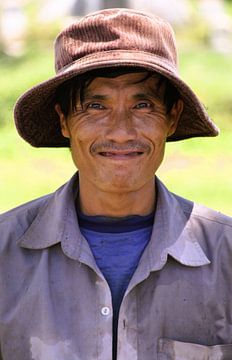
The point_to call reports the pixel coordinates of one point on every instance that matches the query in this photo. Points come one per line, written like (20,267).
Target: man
(112,265)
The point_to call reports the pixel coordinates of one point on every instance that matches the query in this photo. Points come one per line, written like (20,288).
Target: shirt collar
(173,233)
(56,222)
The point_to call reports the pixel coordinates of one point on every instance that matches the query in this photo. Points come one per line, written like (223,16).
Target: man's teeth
(134,153)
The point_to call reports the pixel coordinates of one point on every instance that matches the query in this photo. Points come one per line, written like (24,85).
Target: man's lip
(120,154)
(129,149)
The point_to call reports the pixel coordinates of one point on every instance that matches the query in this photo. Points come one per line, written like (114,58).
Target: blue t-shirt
(117,245)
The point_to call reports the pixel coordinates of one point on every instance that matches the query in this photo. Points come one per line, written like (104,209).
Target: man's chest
(61,309)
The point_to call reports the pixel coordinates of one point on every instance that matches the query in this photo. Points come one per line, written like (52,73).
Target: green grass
(17,75)
(228,5)
(199,169)
(209,74)
(27,173)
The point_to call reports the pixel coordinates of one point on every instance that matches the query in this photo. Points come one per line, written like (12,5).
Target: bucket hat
(103,39)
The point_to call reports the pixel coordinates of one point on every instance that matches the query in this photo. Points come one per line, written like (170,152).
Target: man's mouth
(120,155)
(113,151)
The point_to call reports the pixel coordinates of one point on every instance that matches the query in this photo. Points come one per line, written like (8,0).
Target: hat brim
(38,123)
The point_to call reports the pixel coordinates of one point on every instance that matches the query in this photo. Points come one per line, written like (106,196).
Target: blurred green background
(198,169)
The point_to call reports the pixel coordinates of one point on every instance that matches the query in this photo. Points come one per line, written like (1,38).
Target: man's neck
(93,201)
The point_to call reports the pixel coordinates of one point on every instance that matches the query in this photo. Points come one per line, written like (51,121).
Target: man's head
(109,38)
(117,123)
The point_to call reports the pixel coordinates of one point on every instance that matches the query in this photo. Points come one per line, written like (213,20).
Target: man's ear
(63,121)
(174,116)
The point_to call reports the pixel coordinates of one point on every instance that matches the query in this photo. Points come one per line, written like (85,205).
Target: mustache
(132,145)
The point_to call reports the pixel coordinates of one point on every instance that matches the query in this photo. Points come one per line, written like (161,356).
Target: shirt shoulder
(203,213)
(16,221)
(211,229)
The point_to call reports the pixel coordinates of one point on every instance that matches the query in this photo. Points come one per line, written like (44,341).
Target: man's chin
(121,184)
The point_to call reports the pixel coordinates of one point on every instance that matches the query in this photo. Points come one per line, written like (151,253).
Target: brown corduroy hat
(108,38)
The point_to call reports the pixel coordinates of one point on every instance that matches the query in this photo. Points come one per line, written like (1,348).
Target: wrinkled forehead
(130,81)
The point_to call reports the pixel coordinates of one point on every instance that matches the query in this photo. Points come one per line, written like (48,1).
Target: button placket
(104,319)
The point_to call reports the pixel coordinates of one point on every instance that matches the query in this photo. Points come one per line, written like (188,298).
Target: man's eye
(95,106)
(143,105)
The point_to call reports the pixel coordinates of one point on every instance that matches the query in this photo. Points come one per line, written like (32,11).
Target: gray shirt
(56,305)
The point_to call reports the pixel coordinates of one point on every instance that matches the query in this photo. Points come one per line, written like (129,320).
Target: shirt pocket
(177,350)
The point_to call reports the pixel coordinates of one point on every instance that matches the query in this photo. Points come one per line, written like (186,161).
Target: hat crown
(109,38)
(112,30)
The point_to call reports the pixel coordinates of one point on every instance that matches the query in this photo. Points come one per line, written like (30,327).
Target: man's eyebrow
(90,96)
(148,94)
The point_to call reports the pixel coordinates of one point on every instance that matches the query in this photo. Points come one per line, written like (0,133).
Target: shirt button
(105,310)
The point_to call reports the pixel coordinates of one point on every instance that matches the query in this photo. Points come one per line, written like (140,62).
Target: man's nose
(121,127)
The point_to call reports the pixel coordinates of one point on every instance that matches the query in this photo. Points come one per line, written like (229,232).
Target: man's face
(118,133)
